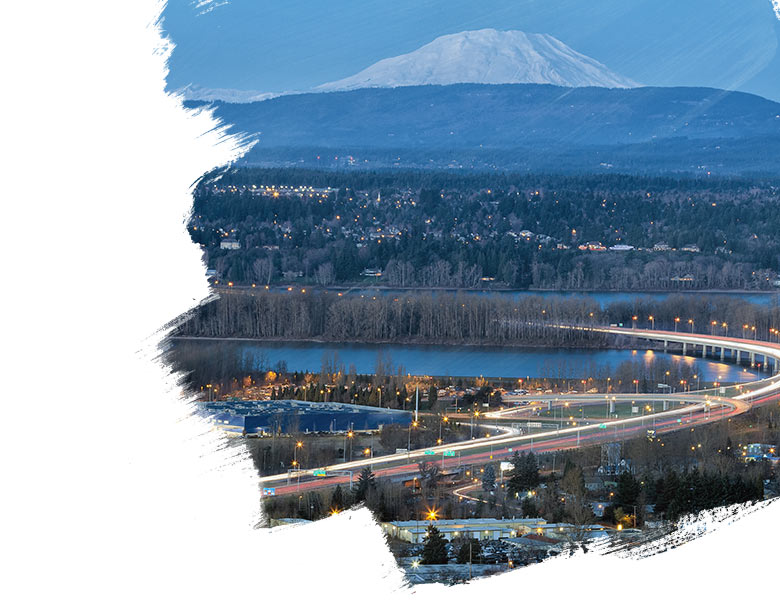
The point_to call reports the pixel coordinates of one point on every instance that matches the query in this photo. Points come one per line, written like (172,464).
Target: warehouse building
(256,418)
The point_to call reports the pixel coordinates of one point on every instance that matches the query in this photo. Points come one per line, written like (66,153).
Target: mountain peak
(486,56)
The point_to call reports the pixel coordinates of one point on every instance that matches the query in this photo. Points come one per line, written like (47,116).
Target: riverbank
(368,286)
(617,344)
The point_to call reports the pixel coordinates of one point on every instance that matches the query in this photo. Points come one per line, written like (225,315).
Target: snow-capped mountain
(486,56)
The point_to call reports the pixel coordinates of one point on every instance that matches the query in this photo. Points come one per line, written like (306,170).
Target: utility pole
(470,558)
(417,402)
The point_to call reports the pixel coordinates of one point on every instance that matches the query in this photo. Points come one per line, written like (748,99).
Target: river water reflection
(467,361)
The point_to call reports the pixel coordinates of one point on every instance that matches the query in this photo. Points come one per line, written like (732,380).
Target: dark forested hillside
(519,127)
(412,229)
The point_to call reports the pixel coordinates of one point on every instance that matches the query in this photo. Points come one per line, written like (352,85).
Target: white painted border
(110,489)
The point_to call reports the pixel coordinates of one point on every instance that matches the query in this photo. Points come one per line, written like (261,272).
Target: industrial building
(252,418)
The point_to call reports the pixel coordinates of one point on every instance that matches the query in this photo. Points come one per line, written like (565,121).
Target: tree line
(465,318)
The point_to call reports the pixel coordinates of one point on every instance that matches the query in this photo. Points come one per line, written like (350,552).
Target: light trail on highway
(700,407)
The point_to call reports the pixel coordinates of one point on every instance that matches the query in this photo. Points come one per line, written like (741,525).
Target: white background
(110,489)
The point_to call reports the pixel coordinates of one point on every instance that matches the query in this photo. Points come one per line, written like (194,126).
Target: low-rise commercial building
(481,529)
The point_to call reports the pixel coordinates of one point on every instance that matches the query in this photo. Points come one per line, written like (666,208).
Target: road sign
(269,491)
(603,426)
(534,424)
(449,453)
(429,452)
(319,473)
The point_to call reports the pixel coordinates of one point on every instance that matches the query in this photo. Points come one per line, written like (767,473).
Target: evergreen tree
(525,474)
(489,479)
(434,550)
(365,483)
(628,490)
(433,398)
(337,502)
(529,509)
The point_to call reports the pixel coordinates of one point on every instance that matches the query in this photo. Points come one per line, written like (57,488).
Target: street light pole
(409,441)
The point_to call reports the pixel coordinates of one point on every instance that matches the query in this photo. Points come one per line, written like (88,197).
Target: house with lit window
(229,244)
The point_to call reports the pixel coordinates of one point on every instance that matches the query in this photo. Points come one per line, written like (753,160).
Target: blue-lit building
(253,418)
(758,452)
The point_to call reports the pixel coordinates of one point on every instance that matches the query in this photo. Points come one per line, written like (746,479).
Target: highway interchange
(503,427)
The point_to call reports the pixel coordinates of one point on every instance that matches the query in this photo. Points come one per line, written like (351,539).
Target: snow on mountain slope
(486,56)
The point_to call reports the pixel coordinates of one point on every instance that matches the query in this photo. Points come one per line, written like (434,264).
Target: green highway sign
(449,453)
(319,473)
(603,426)
(429,452)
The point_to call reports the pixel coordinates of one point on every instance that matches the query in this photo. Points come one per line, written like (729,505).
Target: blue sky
(273,46)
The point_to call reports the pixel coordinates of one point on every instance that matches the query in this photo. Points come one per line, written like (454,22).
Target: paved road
(700,408)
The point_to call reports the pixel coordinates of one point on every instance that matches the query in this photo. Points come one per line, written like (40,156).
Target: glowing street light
(409,441)
(295,452)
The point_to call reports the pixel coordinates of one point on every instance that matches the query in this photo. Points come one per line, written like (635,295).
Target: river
(462,361)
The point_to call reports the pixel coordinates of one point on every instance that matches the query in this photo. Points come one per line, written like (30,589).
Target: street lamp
(651,318)
(409,441)
(634,320)
(690,322)
(636,383)
(349,436)
(444,419)
(295,452)
(676,322)
(714,323)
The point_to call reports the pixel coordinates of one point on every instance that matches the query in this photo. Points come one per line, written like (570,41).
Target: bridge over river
(504,436)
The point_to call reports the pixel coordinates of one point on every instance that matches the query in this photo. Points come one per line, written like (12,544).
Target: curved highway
(689,409)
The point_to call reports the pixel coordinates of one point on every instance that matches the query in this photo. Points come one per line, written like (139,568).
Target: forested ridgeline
(447,318)
(438,229)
